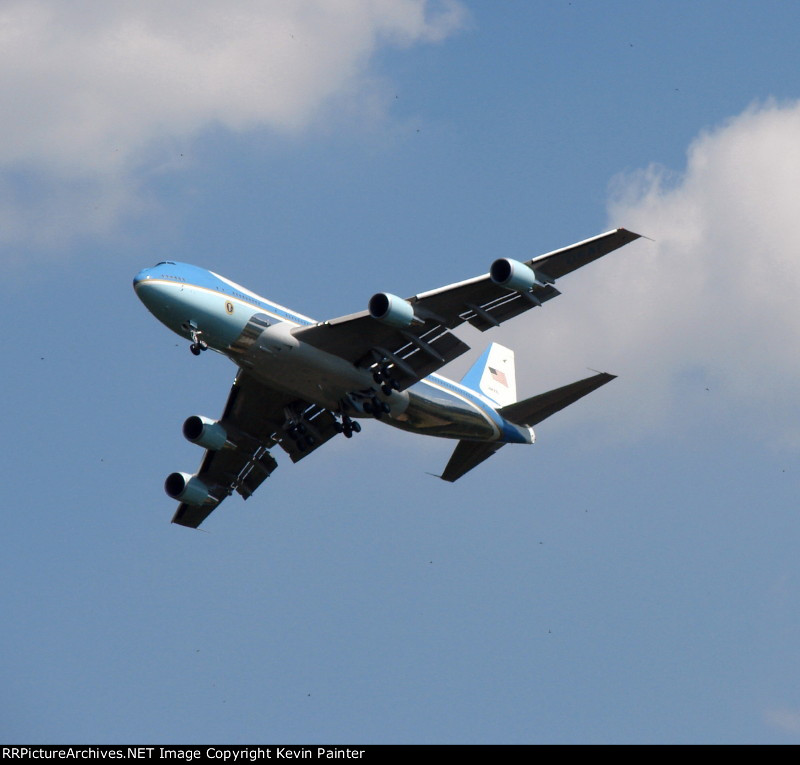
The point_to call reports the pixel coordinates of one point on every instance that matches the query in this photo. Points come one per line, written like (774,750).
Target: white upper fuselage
(256,334)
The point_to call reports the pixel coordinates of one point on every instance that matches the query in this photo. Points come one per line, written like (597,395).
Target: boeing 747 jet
(301,381)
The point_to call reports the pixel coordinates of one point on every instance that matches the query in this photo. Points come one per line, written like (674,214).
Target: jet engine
(205,432)
(514,275)
(391,310)
(186,488)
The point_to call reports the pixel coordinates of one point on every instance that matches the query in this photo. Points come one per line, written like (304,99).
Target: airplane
(300,382)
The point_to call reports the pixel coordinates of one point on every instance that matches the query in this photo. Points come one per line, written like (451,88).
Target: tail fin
(493,375)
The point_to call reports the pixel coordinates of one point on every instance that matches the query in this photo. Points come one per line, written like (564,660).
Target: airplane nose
(140,277)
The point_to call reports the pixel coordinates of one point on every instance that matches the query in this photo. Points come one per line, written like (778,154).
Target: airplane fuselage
(256,334)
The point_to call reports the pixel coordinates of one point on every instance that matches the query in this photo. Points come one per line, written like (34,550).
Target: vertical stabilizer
(493,375)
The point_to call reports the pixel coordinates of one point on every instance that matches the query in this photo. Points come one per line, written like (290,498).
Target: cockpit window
(166,263)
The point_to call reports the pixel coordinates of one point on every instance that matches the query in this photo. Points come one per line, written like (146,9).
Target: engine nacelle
(186,488)
(205,432)
(514,275)
(391,310)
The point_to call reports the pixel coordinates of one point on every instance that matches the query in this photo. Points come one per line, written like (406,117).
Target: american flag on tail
(498,376)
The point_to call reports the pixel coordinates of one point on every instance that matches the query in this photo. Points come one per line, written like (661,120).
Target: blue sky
(631,578)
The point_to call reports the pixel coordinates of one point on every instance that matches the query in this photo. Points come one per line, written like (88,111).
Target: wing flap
(424,356)
(413,353)
(255,473)
(507,307)
(192,516)
(482,303)
(319,426)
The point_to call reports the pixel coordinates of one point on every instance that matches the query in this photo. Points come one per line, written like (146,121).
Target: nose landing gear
(198,344)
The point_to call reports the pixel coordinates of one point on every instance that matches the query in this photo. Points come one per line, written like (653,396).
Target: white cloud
(703,324)
(88,88)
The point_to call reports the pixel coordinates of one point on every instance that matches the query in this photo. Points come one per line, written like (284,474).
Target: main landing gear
(376,407)
(298,432)
(348,426)
(366,401)
(383,377)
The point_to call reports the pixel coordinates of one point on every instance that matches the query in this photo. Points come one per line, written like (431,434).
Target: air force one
(301,382)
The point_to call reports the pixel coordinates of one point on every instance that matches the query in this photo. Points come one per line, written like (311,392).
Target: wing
(424,346)
(413,352)
(256,418)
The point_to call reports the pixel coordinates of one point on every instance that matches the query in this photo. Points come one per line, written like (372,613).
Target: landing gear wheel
(348,426)
(198,344)
(382,374)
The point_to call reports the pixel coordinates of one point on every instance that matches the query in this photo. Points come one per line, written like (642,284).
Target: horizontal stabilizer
(533,410)
(467,455)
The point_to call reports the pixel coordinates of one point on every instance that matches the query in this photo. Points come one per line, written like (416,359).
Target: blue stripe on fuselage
(194,276)
(507,432)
